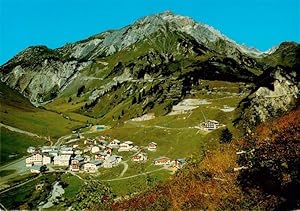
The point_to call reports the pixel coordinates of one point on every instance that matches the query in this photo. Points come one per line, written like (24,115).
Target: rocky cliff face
(40,73)
(267,102)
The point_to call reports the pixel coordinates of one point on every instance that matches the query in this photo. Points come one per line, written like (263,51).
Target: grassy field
(137,184)
(16,111)
(15,144)
(73,185)
(4,173)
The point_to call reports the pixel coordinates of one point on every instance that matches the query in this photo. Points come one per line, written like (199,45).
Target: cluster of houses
(165,161)
(58,156)
(95,153)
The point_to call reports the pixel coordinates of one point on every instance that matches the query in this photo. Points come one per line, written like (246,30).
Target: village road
(125,168)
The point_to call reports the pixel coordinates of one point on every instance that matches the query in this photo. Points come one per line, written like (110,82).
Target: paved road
(2,207)
(160,127)
(125,168)
(61,139)
(18,166)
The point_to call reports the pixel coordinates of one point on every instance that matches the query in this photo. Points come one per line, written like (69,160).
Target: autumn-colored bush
(268,177)
(272,179)
(210,184)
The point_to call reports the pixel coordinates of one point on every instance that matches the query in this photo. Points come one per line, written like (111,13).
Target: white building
(108,151)
(152,146)
(101,156)
(126,146)
(36,159)
(62,160)
(75,165)
(46,149)
(46,160)
(140,157)
(53,152)
(91,167)
(114,144)
(211,125)
(31,150)
(112,161)
(162,161)
(95,149)
(66,151)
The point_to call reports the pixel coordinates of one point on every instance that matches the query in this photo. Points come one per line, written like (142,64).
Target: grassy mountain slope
(17,111)
(270,180)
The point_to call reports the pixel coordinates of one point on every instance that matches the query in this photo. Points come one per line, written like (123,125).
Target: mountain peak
(167,13)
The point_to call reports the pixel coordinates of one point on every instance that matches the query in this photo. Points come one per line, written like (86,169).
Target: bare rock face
(41,74)
(266,103)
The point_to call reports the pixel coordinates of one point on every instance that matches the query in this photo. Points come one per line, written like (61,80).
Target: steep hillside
(167,34)
(260,172)
(18,112)
(277,92)
(146,67)
(286,54)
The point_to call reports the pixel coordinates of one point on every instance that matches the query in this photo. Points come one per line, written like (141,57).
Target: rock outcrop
(273,101)
(39,73)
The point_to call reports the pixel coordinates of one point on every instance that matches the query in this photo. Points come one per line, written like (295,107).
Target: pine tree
(226,136)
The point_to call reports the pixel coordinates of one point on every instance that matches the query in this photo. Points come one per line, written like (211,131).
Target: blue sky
(256,23)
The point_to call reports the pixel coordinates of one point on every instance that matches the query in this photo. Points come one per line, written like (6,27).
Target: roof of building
(62,157)
(116,140)
(161,158)
(96,162)
(181,160)
(113,158)
(66,148)
(213,121)
(79,158)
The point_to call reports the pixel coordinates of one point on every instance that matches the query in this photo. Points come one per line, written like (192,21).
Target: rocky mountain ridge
(158,52)
(280,96)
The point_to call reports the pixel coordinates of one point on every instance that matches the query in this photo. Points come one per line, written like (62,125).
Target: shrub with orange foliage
(273,179)
(285,128)
(210,184)
(270,182)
